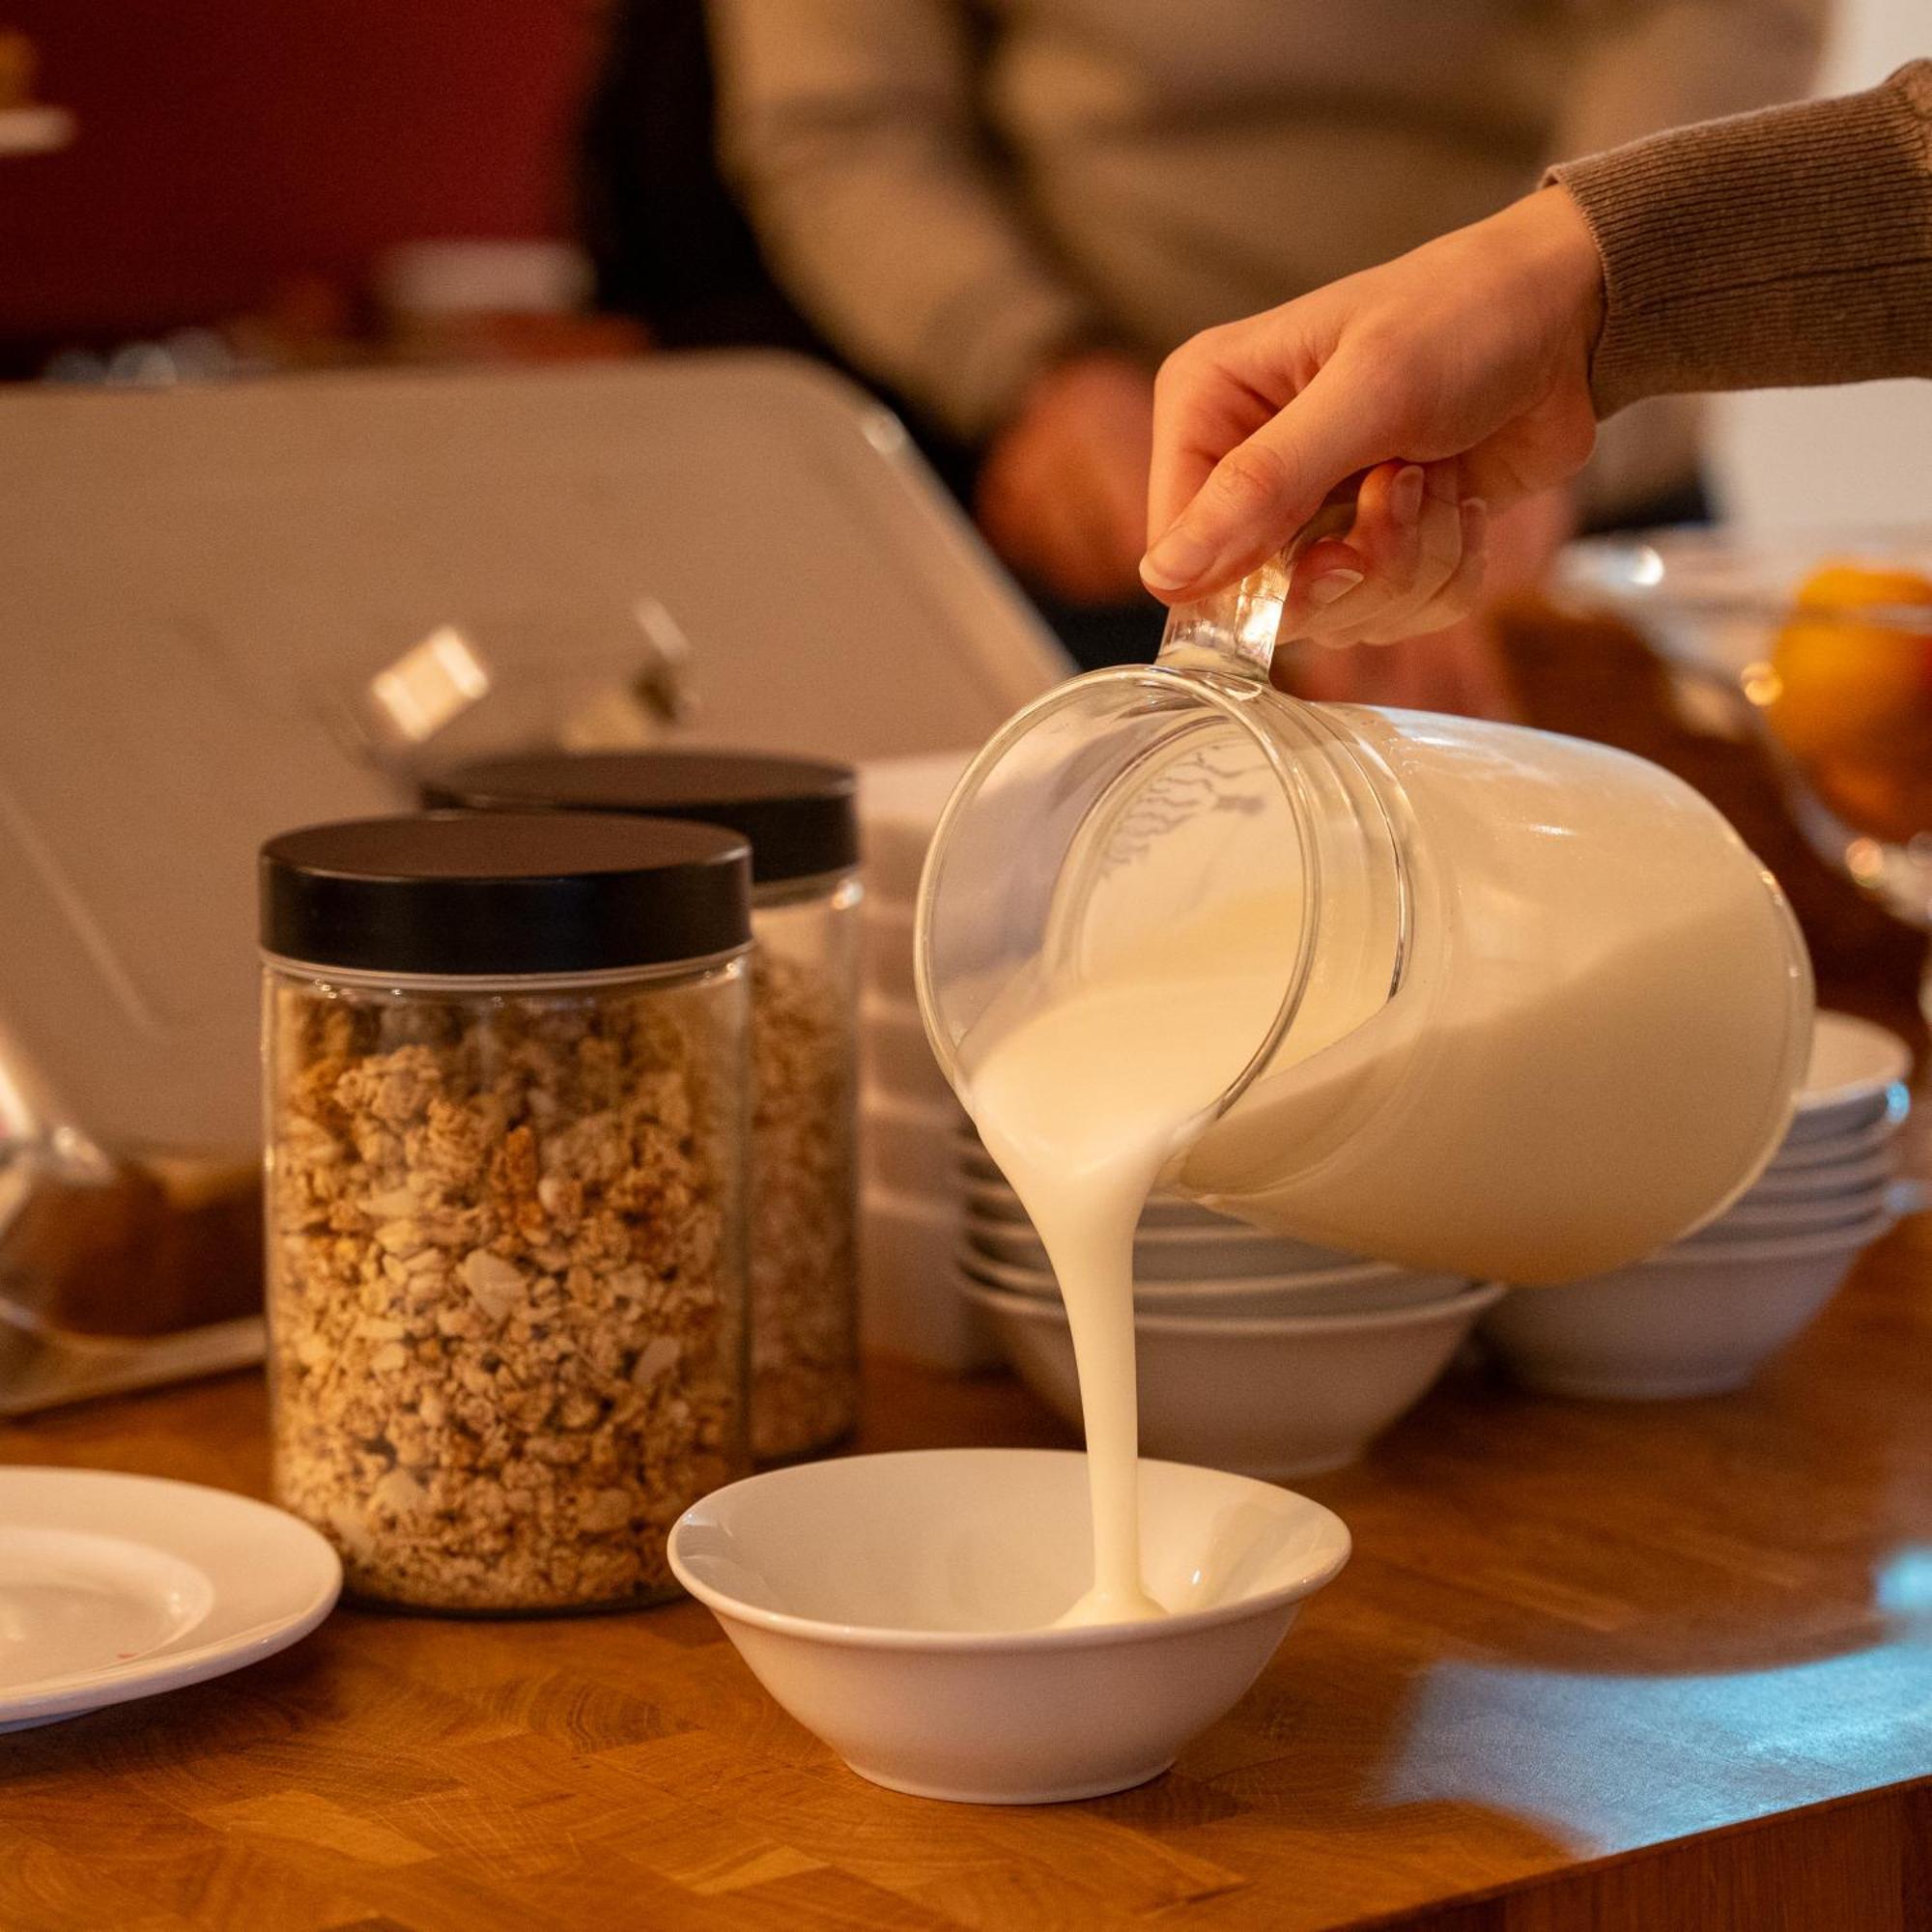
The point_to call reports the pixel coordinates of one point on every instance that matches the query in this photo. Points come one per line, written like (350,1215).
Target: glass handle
(1236,629)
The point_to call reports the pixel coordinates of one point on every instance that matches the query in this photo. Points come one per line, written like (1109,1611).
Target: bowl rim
(986,1269)
(1811,1212)
(1839,1147)
(1824,1180)
(1849,1239)
(1159,1235)
(1895,1054)
(1473,1298)
(1333,1552)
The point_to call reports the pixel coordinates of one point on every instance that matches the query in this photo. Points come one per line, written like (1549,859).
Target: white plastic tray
(206,586)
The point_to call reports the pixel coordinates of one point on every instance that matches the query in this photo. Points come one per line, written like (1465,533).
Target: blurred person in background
(1005,216)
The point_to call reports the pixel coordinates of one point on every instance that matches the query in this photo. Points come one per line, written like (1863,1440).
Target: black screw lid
(466,893)
(799,814)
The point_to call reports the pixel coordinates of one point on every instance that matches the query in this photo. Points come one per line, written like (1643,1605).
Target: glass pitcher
(1517,1006)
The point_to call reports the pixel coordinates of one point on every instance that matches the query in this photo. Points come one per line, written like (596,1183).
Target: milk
(1081,1128)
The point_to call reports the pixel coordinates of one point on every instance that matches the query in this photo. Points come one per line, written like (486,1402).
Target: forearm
(848,127)
(1786,247)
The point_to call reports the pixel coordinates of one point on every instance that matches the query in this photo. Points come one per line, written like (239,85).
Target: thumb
(1262,491)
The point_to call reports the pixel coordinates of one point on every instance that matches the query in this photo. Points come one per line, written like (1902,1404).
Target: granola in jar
(803,1237)
(505,1215)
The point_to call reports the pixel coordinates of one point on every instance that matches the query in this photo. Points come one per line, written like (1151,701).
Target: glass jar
(1504,1004)
(506,1103)
(800,818)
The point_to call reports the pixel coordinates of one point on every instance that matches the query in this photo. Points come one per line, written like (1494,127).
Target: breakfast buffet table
(1662,1667)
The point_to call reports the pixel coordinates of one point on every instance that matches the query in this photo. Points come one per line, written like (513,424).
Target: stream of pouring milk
(1082,1100)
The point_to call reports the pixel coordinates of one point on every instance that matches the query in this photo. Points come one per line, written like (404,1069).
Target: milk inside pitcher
(1486,999)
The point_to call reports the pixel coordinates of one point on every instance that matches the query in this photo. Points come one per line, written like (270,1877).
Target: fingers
(1458,596)
(1428,549)
(1379,555)
(1250,503)
(1202,408)
(1405,566)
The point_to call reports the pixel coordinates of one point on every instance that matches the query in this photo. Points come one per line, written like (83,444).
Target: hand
(1062,492)
(1467,362)
(1460,669)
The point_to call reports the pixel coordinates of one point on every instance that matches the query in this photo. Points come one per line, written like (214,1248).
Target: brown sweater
(1791,246)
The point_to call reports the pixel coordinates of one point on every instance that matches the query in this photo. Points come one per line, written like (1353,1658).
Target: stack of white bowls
(908,1120)
(1255,1354)
(1703,1315)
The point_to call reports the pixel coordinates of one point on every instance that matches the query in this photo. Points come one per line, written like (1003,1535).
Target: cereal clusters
(805,1343)
(506,1288)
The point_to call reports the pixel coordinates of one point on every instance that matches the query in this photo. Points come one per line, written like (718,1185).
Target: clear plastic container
(506,1095)
(799,817)
(1525,1007)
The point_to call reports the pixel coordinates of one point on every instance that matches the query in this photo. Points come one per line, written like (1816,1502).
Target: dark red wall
(227,145)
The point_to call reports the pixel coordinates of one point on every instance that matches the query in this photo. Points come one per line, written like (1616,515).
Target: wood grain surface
(1631,1669)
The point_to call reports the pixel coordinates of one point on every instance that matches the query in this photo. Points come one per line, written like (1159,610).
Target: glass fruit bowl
(1818,641)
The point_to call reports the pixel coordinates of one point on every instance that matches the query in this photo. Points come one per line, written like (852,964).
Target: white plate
(114,1587)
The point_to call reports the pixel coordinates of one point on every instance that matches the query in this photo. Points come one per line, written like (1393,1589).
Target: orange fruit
(1846,690)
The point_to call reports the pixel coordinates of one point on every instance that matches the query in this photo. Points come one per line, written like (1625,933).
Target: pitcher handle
(1236,629)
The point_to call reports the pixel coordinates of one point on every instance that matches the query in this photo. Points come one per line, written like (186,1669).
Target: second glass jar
(799,816)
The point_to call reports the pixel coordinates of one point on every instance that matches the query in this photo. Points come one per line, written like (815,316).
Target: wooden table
(1592,1667)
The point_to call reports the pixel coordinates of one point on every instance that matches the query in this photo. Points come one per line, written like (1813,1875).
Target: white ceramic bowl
(994,1201)
(1275,1397)
(1776,1220)
(1356,1288)
(1836,1149)
(1167,1254)
(1698,1320)
(1169,1210)
(1836,1178)
(1849,1080)
(900,1608)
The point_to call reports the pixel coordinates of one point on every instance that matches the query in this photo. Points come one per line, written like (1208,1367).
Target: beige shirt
(956,190)
(1786,247)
